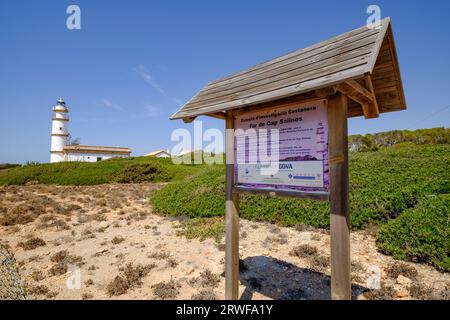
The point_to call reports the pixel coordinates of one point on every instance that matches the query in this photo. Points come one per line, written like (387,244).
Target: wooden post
(339,220)
(231,218)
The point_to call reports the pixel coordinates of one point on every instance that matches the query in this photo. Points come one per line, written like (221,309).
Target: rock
(100,252)
(103,225)
(404,281)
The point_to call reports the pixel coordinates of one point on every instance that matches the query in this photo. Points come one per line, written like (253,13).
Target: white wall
(56,157)
(80,157)
(60,128)
(162,155)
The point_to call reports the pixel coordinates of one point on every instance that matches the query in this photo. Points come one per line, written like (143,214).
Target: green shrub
(202,228)
(420,234)
(382,185)
(8,165)
(102,172)
(373,142)
(143,172)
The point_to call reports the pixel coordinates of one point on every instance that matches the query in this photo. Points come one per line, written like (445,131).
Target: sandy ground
(104,228)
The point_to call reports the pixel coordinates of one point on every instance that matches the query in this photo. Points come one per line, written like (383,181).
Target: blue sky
(134,62)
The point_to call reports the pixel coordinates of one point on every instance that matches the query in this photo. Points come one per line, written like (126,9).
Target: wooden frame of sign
(337,195)
(357,73)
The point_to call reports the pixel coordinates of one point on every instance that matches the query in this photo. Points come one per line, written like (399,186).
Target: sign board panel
(283,148)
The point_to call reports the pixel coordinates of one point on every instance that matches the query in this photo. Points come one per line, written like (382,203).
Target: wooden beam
(339,220)
(325,92)
(363,96)
(360,89)
(188,119)
(231,217)
(290,101)
(218,115)
(284,193)
(374,110)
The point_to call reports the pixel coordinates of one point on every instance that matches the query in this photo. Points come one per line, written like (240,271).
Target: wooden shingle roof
(361,59)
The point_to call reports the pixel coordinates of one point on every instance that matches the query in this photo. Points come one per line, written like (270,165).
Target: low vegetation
(382,185)
(398,138)
(304,251)
(8,165)
(166,290)
(63,260)
(396,269)
(202,228)
(32,243)
(206,280)
(391,188)
(140,169)
(420,234)
(129,278)
(204,294)
(399,185)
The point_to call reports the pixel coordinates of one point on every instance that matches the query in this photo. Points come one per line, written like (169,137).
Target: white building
(61,150)
(158,154)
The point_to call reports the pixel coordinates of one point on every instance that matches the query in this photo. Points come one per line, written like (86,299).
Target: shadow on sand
(281,280)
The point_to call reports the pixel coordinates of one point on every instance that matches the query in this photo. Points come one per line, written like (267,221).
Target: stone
(404,281)
(100,252)
(103,225)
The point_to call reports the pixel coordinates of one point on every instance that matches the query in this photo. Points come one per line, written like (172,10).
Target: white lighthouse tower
(60,134)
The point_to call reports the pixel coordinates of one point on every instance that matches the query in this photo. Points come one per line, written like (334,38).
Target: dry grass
(32,243)
(316,237)
(205,294)
(166,290)
(385,293)
(62,260)
(86,296)
(356,267)
(58,269)
(206,279)
(279,238)
(420,291)
(130,277)
(303,251)
(320,262)
(27,206)
(159,255)
(172,263)
(117,240)
(37,275)
(58,224)
(395,269)
(41,291)
(300,227)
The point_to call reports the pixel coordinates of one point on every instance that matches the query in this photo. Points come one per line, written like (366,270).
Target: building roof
(367,55)
(96,149)
(154,153)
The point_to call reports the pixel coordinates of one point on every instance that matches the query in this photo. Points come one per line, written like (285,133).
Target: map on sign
(283,148)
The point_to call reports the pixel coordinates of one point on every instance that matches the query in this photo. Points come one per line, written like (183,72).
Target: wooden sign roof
(361,64)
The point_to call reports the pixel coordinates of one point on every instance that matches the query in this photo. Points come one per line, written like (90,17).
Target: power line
(429,116)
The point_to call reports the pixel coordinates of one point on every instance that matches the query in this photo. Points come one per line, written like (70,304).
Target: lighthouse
(60,133)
